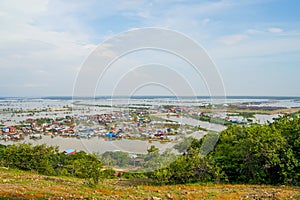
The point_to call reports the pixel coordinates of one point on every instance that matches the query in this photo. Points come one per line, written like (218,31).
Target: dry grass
(16,184)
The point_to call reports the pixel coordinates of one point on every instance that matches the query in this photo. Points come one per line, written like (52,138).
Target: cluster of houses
(135,124)
(123,124)
(10,133)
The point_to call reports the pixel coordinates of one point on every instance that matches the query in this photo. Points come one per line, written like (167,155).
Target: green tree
(260,153)
(88,168)
(183,145)
(28,157)
(119,158)
(152,149)
(190,167)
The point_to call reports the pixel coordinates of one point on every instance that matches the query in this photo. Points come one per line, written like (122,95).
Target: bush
(108,174)
(48,161)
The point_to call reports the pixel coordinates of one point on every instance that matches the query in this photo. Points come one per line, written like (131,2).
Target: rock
(169,196)
(155,198)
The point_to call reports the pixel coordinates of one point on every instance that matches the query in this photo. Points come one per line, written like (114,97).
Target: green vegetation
(167,106)
(145,162)
(154,160)
(117,158)
(214,120)
(243,114)
(183,146)
(258,154)
(191,167)
(48,161)
(208,143)
(267,154)
(41,121)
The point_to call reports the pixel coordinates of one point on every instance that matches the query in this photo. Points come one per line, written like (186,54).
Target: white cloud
(275,30)
(45,40)
(133,4)
(257,48)
(205,21)
(30,43)
(233,39)
(253,31)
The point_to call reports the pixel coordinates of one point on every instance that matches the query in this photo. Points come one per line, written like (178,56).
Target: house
(69,152)
(35,136)
(110,134)
(8,129)
(5,130)
(55,123)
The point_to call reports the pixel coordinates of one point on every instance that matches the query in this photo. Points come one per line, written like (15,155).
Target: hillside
(15,184)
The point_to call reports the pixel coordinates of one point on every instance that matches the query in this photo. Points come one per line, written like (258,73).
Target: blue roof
(110,134)
(69,151)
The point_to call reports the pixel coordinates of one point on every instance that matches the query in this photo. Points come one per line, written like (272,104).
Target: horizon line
(153,96)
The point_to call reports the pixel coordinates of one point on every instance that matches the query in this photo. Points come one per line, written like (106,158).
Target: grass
(15,184)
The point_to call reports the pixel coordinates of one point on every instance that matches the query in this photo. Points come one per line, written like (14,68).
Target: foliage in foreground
(258,154)
(49,161)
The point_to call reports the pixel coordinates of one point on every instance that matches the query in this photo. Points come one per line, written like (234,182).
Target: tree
(152,149)
(28,157)
(88,168)
(260,153)
(188,168)
(183,145)
(118,158)
(208,143)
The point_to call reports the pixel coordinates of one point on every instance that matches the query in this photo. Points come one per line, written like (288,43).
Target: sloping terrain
(15,184)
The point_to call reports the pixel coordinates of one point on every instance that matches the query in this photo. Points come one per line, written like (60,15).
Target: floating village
(143,120)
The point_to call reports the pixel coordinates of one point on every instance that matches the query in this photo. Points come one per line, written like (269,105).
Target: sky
(254,44)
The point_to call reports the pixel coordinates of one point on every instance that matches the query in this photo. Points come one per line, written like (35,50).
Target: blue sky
(255,44)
